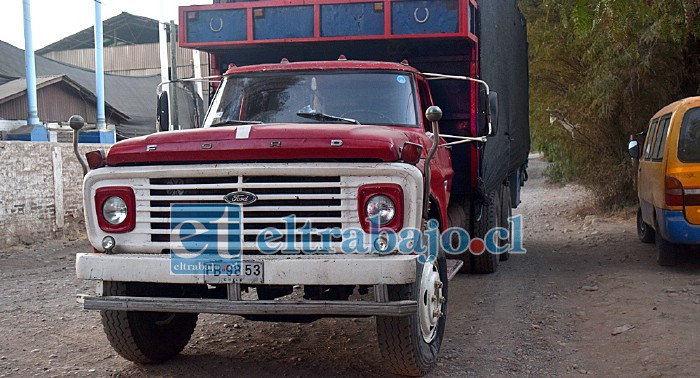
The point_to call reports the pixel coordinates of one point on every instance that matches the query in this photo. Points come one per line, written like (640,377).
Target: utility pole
(174,116)
(99,67)
(30,67)
(163,44)
(197,69)
(164,72)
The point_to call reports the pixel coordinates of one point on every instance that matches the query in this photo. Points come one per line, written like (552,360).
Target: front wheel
(410,345)
(145,337)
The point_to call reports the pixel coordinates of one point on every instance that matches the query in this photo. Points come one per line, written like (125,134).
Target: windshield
(375,98)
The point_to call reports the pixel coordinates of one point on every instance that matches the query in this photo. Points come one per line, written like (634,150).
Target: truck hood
(267,142)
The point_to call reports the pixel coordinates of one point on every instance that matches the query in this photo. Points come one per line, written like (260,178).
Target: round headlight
(381,209)
(114,210)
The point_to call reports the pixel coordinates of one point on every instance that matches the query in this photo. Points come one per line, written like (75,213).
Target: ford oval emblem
(240,198)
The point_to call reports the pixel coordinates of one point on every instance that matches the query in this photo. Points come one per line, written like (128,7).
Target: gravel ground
(587,298)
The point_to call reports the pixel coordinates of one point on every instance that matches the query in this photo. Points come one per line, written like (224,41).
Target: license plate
(246,272)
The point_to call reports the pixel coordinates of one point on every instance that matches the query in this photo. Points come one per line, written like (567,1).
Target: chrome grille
(318,200)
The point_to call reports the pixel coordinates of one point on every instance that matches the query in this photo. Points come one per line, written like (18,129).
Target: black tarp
(504,65)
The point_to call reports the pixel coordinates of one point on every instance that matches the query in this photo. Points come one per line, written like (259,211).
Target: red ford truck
(377,117)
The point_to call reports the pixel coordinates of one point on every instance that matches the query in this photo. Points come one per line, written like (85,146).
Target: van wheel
(645,233)
(665,252)
(410,345)
(486,262)
(145,337)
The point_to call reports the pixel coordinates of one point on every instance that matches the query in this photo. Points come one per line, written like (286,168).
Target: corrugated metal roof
(135,96)
(18,87)
(123,29)
(131,60)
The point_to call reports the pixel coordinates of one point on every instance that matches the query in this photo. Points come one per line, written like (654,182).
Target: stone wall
(40,191)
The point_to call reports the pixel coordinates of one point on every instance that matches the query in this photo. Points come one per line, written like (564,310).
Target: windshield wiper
(234,122)
(309,112)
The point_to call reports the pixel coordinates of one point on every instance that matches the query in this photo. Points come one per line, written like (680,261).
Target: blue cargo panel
(425,17)
(216,26)
(352,19)
(283,22)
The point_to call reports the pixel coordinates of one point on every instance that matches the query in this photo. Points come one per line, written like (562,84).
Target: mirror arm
(80,157)
(426,169)
(433,114)
(461,140)
(76,123)
(434,76)
(206,79)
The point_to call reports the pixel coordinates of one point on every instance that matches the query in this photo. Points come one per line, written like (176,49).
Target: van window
(689,142)
(650,138)
(660,141)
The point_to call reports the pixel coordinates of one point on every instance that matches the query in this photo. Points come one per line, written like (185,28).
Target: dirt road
(550,312)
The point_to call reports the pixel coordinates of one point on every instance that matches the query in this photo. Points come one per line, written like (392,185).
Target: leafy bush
(598,71)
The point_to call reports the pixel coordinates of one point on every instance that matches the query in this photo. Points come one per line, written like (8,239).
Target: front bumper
(377,271)
(277,269)
(232,307)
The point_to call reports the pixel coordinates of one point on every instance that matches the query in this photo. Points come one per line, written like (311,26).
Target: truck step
(453,267)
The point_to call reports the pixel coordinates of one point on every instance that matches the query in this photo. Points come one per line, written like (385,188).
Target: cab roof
(328,65)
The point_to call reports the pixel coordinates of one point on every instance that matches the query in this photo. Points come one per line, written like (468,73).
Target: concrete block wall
(40,191)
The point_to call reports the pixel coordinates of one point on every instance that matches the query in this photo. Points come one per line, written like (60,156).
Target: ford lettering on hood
(271,142)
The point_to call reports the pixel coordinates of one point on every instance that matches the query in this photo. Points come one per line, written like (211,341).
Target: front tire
(645,233)
(145,337)
(410,345)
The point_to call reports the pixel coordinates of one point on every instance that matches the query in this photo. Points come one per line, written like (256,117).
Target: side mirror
(633,149)
(433,114)
(492,112)
(76,122)
(163,113)
(488,115)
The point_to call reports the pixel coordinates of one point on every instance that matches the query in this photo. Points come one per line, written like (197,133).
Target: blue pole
(99,67)
(30,67)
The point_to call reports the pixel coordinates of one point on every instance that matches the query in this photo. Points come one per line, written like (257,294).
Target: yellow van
(668,181)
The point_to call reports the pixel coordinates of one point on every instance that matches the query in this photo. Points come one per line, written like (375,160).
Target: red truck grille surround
(317,200)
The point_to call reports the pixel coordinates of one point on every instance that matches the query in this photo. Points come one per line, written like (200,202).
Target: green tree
(598,71)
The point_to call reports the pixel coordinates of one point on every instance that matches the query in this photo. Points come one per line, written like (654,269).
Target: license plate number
(245,272)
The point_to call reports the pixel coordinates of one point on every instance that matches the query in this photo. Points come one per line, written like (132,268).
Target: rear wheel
(665,252)
(506,213)
(457,216)
(645,233)
(486,262)
(410,345)
(145,337)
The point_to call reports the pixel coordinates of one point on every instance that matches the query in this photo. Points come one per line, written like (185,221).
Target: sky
(53,20)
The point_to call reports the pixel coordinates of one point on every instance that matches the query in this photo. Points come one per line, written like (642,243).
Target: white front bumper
(278,269)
